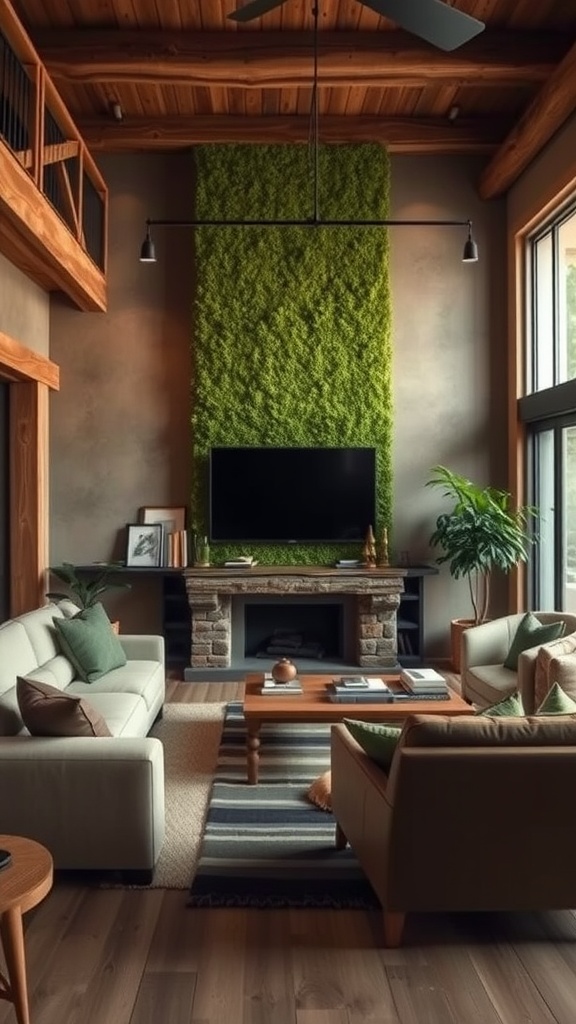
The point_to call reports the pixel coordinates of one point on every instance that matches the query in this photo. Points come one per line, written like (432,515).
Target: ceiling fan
(432,20)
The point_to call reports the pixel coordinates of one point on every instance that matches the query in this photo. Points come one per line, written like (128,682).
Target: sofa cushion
(531,633)
(511,705)
(556,702)
(90,643)
(47,711)
(141,678)
(378,741)
(546,670)
(488,731)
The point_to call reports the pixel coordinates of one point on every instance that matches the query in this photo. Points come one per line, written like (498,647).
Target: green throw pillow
(557,702)
(90,643)
(510,707)
(378,741)
(531,633)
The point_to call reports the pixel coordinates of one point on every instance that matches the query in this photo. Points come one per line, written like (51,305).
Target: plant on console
(84,592)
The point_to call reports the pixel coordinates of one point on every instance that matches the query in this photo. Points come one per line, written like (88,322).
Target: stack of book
(424,684)
(348,563)
(242,562)
(271,687)
(359,690)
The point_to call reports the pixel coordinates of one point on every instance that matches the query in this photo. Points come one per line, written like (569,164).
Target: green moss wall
(291,325)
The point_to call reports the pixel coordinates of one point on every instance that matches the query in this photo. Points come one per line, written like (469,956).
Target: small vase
(284,670)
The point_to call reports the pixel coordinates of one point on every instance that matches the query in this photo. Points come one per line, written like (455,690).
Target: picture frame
(175,515)
(144,545)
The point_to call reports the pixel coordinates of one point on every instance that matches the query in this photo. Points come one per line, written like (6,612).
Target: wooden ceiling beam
(553,104)
(399,134)
(276,60)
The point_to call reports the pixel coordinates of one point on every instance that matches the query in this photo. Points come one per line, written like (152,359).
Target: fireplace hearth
(349,613)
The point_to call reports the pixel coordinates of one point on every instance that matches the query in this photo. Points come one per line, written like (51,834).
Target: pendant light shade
(148,250)
(470,254)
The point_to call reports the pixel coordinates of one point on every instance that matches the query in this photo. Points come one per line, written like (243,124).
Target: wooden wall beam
(35,238)
(18,363)
(30,377)
(284,59)
(553,104)
(28,495)
(400,135)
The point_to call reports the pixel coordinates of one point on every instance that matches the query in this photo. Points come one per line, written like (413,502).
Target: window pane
(570,519)
(544,319)
(567,299)
(544,499)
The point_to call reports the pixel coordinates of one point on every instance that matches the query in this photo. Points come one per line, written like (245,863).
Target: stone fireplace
(345,620)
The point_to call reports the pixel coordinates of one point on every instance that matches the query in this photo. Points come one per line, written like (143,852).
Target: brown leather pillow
(320,792)
(47,711)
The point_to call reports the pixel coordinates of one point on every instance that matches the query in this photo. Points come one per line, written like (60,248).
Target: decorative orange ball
(284,670)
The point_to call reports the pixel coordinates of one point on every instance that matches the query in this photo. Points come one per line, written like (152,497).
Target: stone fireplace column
(377,644)
(211,630)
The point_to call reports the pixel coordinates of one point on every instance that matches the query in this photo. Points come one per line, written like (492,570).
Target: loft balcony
(53,200)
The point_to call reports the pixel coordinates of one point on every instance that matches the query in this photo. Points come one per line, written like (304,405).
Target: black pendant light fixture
(148,252)
(148,249)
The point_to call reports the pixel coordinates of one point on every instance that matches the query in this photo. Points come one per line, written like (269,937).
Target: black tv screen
(292,495)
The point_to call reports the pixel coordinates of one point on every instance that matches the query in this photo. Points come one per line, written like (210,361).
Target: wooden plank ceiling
(182,73)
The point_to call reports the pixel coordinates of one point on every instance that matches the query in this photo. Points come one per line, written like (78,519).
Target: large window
(549,408)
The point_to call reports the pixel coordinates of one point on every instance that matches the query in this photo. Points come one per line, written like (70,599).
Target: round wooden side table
(26,881)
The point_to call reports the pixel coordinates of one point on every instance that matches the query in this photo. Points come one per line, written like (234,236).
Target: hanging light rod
(148,251)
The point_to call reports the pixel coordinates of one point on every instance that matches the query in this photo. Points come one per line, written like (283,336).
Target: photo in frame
(173,522)
(162,514)
(144,545)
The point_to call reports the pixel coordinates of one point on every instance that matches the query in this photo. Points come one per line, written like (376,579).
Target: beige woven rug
(191,735)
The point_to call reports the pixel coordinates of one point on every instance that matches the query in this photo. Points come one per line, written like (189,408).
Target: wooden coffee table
(313,706)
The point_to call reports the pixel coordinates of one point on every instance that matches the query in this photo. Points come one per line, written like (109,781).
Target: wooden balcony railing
(53,198)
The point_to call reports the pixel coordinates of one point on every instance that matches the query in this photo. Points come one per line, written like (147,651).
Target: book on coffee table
(281,689)
(349,684)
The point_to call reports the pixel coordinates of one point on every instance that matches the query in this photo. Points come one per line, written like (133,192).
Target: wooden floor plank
(117,972)
(268,983)
(164,997)
(174,945)
(220,990)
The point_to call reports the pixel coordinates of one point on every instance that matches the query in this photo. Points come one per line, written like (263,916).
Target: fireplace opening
(294,630)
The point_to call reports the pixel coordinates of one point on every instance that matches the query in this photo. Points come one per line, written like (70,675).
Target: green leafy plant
(85,592)
(481,533)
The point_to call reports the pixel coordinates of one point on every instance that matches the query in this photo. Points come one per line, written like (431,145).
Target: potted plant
(85,592)
(482,532)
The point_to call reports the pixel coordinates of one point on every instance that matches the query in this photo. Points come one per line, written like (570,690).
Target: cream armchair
(484,679)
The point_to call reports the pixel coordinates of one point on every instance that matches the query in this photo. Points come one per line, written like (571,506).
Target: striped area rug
(267,845)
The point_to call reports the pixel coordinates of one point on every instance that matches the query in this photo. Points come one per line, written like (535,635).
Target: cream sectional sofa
(97,803)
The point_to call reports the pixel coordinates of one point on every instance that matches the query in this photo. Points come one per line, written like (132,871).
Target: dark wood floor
(98,956)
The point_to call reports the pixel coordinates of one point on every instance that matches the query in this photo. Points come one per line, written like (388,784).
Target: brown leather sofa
(475,814)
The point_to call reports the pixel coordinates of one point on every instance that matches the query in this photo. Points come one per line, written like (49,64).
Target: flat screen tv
(292,495)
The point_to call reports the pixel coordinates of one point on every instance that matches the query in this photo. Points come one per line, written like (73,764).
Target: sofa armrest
(487,644)
(95,803)
(142,648)
(526,673)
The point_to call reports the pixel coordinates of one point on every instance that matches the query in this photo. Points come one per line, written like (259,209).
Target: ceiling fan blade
(255,9)
(432,20)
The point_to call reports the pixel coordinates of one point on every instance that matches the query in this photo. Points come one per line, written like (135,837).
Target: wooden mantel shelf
(295,570)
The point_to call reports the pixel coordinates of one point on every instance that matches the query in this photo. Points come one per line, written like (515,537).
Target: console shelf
(410,616)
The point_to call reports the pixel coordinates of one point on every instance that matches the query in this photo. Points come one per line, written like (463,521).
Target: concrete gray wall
(120,435)
(24,309)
